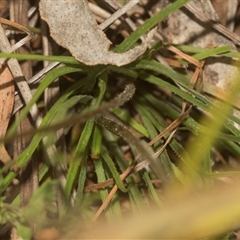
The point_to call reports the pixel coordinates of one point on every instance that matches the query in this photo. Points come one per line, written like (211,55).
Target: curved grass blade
(81,148)
(134,192)
(103,192)
(124,133)
(112,169)
(152,189)
(27,153)
(150,23)
(49,78)
(37,57)
(124,116)
(82,117)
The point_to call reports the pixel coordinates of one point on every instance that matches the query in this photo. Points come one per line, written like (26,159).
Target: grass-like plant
(109,115)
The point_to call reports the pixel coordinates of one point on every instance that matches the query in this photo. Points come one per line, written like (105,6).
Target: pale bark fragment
(74,27)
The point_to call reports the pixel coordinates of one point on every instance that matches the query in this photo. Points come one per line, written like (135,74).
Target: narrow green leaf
(112,169)
(100,171)
(134,193)
(27,153)
(152,189)
(124,116)
(196,127)
(37,57)
(96,142)
(116,207)
(81,180)
(50,77)
(79,154)
(150,23)
(211,52)
(83,142)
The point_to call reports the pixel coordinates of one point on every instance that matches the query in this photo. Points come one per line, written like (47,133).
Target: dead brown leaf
(6,107)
